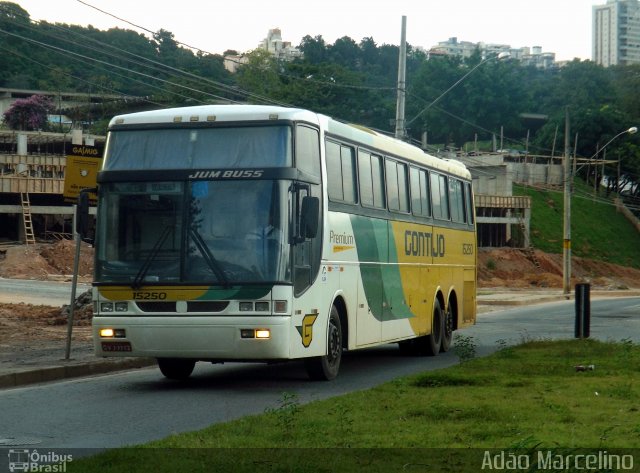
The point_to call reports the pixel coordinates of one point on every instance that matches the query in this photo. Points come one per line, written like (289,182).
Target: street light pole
(568,184)
(568,181)
(402,71)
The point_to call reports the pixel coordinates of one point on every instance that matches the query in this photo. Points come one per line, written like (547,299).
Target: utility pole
(568,178)
(402,71)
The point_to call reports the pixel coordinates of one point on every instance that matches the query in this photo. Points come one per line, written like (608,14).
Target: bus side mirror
(309,216)
(82,215)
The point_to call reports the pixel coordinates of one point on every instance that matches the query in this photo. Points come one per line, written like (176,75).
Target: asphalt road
(51,293)
(138,406)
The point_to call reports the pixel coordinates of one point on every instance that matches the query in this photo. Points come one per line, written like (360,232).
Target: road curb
(515,299)
(62,371)
(518,302)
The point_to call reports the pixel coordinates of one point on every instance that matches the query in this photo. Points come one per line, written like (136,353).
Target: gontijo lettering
(423,244)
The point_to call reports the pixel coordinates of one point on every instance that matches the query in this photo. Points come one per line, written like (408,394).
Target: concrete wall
(530,173)
(491,180)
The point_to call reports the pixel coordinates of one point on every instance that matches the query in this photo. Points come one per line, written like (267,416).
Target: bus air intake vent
(156,306)
(206,306)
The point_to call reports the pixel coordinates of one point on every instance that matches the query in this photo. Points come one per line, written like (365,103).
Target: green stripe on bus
(382,282)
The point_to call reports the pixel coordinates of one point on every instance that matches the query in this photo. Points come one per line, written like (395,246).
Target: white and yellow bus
(261,233)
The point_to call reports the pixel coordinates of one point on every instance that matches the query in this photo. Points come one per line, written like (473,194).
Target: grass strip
(526,399)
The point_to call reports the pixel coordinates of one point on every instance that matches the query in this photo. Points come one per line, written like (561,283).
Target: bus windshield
(207,232)
(192,148)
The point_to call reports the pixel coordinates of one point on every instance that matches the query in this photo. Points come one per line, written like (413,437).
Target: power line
(136,26)
(156,65)
(148,76)
(99,86)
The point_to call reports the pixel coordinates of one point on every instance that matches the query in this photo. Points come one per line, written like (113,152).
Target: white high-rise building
(616,33)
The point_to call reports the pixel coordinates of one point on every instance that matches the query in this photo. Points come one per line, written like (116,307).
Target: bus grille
(192,306)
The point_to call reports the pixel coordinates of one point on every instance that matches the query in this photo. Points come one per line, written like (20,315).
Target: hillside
(598,231)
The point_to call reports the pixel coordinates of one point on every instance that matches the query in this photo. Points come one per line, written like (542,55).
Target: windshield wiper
(139,279)
(209,258)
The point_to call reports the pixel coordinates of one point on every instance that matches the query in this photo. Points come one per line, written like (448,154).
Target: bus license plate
(116,346)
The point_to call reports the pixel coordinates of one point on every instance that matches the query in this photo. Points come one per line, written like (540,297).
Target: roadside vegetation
(554,395)
(598,231)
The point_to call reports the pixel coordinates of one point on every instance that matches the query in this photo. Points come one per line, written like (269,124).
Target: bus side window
(469,200)
(308,150)
(341,182)
(397,194)
(440,196)
(420,195)
(371,178)
(456,198)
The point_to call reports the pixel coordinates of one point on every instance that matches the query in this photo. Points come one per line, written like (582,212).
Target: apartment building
(529,56)
(616,33)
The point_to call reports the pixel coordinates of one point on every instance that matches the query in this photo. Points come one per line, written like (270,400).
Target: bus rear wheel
(325,368)
(176,368)
(431,344)
(447,330)
(434,339)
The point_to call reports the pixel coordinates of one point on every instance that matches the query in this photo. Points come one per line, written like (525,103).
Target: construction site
(33,167)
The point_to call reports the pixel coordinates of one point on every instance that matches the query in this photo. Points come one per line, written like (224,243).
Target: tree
(314,49)
(28,114)
(260,74)
(345,52)
(12,13)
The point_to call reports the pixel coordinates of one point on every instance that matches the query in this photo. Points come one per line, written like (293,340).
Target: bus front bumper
(205,338)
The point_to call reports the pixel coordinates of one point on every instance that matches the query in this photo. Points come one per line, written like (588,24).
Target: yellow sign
(81,172)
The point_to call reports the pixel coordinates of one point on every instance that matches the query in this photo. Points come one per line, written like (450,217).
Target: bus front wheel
(325,368)
(176,368)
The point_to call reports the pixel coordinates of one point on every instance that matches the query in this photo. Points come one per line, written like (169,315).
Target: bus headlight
(106,307)
(106,333)
(263,333)
(114,307)
(121,306)
(112,333)
(262,307)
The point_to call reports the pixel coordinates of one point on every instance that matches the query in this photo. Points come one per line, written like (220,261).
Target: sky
(215,26)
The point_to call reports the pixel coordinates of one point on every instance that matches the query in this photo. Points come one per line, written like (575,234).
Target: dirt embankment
(510,267)
(52,261)
(21,322)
